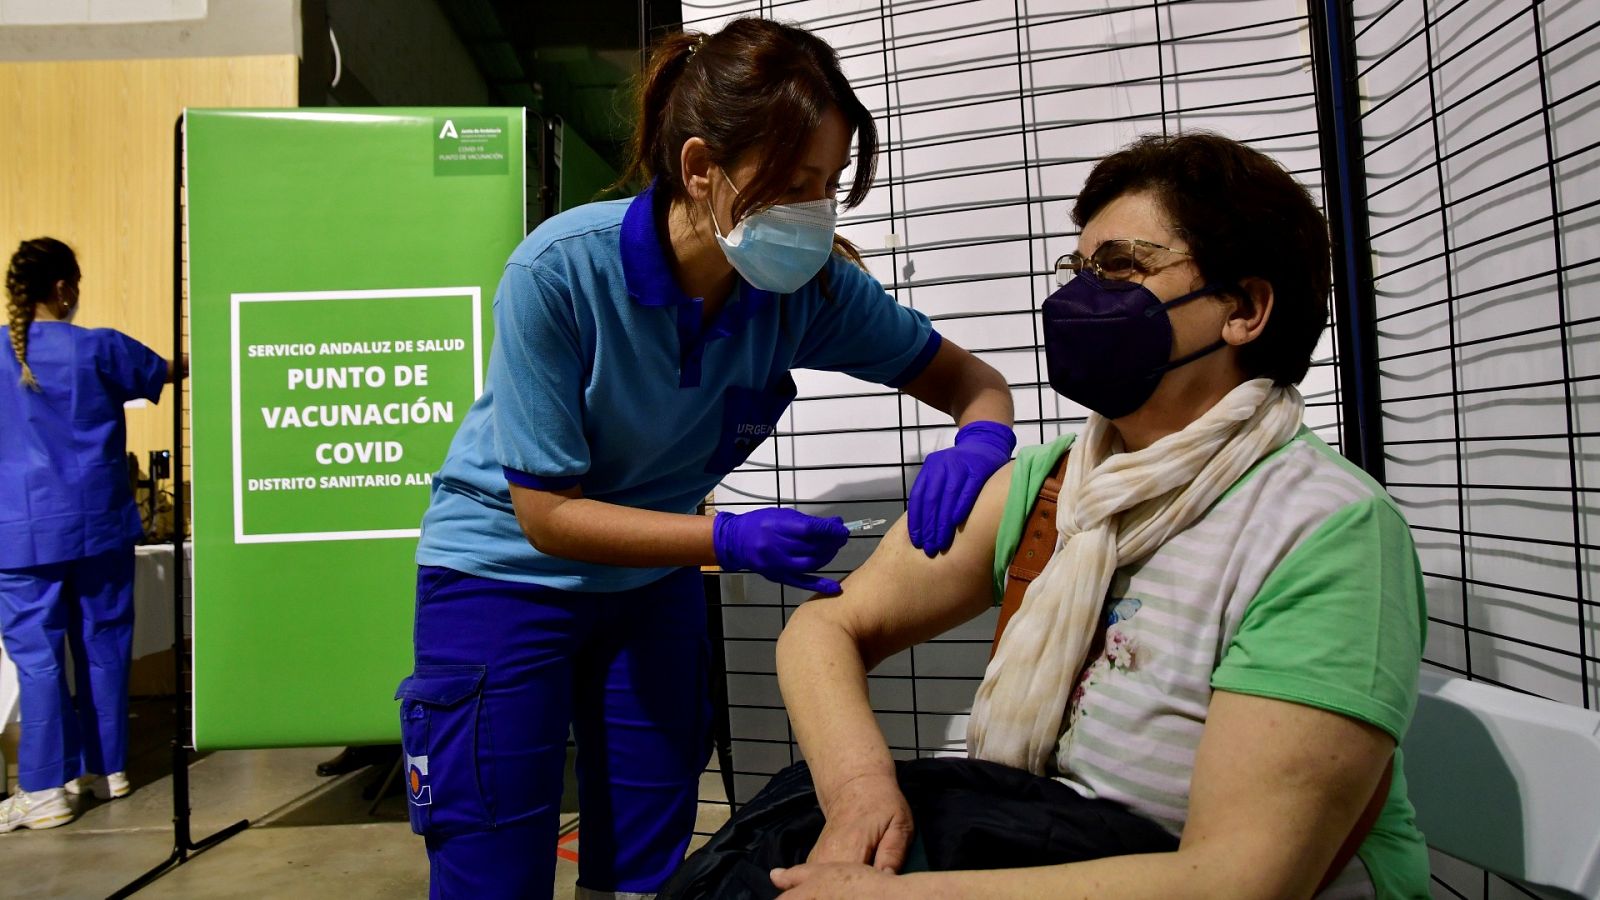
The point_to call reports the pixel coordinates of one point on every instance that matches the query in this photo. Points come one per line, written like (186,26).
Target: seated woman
(1227,637)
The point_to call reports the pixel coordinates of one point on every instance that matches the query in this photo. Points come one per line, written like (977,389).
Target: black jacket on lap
(969,814)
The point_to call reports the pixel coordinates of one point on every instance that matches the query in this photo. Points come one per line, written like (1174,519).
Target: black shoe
(353,758)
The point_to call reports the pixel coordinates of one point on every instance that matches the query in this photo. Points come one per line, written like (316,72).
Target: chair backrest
(1507,782)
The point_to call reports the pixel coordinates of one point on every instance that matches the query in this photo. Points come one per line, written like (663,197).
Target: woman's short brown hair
(1241,214)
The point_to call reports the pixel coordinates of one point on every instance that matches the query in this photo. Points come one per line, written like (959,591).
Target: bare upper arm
(899,597)
(1277,787)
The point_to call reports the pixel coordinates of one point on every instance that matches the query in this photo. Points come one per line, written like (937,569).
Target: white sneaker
(38,809)
(105,787)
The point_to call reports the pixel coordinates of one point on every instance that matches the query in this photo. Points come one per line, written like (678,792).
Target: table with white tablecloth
(152,617)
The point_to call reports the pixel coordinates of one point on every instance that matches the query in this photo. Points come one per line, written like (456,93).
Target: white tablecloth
(152,616)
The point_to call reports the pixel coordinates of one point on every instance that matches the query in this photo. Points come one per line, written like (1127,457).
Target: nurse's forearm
(574,527)
(966,387)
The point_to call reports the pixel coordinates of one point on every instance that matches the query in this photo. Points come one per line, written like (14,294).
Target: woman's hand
(841,880)
(868,822)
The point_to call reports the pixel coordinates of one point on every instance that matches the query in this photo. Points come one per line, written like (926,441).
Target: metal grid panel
(1483,178)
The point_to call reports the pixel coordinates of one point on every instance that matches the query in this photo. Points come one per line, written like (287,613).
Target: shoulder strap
(1034,550)
(1038,544)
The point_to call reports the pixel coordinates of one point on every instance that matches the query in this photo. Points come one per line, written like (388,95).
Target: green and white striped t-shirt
(1300,583)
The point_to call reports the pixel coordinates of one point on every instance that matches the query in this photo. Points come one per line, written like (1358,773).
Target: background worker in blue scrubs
(642,351)
(68,524)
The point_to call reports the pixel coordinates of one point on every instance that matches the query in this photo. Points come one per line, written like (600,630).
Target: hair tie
(698,41)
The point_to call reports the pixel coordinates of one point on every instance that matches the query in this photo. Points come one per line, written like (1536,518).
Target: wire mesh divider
(1481,174)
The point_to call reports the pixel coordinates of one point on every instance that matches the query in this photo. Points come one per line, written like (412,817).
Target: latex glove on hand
(780,545)
(948,486)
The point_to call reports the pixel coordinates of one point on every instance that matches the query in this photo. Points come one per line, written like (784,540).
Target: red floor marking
(561,846)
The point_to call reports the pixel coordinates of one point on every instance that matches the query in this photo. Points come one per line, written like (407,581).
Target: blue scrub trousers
(88,603)
(502,670)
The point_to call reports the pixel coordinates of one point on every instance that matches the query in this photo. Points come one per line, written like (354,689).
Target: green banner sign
(341,270)
(344,402)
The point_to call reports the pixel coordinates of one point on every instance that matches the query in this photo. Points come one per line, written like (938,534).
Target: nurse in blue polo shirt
(642,350)
(68,525)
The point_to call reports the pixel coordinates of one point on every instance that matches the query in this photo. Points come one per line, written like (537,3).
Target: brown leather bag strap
(1034,550)
(1038,544)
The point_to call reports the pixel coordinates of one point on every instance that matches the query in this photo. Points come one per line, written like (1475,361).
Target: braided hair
(35,268)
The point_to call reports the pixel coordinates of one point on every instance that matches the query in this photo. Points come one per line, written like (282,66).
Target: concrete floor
(309,837)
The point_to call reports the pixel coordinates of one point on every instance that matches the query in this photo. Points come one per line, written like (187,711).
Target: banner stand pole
(184,847)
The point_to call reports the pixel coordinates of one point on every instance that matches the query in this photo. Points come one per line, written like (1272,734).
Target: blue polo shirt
(64,491)
(602,376)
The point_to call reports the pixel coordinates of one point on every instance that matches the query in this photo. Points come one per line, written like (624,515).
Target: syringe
(864,524)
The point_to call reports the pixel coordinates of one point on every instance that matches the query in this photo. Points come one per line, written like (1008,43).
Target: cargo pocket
(443,734)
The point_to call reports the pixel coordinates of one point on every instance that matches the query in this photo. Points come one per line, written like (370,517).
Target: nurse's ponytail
(647,151)
(755,85)
(35,269)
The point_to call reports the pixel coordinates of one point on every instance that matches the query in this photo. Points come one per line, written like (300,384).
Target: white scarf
(1115,508)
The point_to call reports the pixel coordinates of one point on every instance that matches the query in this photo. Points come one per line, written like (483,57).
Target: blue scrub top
(602,376)
(64,490)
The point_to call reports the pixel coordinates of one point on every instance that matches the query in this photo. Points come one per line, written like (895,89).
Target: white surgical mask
(780,248)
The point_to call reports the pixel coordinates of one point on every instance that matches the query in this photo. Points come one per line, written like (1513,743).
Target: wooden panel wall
(86,156)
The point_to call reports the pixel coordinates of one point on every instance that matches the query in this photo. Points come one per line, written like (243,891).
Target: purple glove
(949,483)
(780,545)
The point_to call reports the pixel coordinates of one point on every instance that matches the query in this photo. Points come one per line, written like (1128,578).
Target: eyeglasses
(1118,260)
